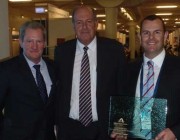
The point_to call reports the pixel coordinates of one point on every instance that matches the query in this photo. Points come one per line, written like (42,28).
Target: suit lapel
(29,78)
(69,67)
(67,63)
(165,71)
(26,72)
(100,67)
(133,73)
(52,76)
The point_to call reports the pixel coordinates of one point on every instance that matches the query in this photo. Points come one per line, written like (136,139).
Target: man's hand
(117,137)
(166,134)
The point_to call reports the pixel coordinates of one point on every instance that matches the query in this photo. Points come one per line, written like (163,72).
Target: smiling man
(166,77)
(88,67)
(153,35)
(165,82)
(27,89)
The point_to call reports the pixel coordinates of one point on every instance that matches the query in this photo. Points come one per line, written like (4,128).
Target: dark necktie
(41,84)
(85,109)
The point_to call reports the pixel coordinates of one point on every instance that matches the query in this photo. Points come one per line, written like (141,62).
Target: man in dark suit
(166,74)
(26,115)
(107,68)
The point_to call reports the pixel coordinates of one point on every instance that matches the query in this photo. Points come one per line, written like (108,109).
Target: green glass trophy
(128,119)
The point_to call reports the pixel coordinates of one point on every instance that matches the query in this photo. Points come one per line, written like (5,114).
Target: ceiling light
(177,22)
(169,6)
(19,0)
(137,26)
(128,16)
(101,15)
(165,19)
(163,14)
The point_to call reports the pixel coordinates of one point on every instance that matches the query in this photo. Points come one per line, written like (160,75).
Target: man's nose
(35,44)
(151,35)
(84,24)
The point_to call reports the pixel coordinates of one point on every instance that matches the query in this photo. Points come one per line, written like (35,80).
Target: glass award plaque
(128,118)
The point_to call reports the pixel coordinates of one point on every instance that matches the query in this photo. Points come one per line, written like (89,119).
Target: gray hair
(31,25)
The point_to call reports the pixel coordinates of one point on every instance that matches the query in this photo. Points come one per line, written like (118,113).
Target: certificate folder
(125,117)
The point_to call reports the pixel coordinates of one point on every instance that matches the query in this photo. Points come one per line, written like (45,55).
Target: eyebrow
(153,30)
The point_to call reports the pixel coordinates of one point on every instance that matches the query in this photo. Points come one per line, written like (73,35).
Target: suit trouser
(74,130)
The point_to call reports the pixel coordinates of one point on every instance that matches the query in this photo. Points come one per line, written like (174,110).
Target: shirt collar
(158,60)
(91,46)
(31,64)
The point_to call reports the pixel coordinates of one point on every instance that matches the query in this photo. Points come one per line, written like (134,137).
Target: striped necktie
(147,101)
(85,109)
(148,86)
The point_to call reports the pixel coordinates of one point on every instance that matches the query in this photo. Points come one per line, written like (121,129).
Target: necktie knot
(150,63)
(85,49)
(37,67)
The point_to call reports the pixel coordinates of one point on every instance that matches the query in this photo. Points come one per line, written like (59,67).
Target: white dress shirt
(92,54)
(158,60)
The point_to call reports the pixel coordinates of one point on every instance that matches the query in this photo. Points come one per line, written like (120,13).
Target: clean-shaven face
(33,44)
(85,25)
(153,37)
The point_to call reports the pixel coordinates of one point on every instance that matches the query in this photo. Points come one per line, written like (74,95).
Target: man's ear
(20,42)
(96,24)
(139,36)
(166,34)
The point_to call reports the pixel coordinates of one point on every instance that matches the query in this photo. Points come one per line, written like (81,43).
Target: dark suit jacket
(168,88)
(25,115)
(110,78)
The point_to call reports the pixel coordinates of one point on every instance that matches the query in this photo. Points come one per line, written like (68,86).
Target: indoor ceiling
(138,9)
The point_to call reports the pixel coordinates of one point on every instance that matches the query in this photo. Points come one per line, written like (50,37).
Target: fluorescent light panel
(19,0)
(101,15)
(165,19)
(163,14)
(168,6)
